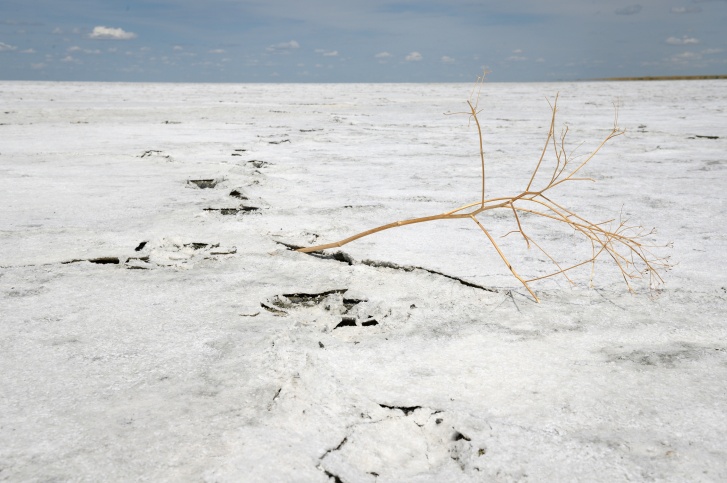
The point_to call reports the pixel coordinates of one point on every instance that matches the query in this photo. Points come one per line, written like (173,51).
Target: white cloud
(517,58)
(69,59)
(76,48)
(682,10)
(107,33)
(630,10)
(447,59)
(414,57)
(6,47)
(685,57)
(712,51)
(383,55)
(28,51)
(178,48)
(688,55)
(517,51)
(284,47)
(217,51)
(57,31)
(327,53)
(683,41)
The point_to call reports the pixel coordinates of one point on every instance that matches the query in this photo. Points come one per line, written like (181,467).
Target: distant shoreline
(665,77)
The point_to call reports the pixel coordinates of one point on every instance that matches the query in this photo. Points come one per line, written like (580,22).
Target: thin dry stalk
(625,244)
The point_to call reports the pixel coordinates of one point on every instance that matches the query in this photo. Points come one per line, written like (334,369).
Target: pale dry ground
(180,359)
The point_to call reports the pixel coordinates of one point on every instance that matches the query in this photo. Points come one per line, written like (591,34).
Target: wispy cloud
(383,55)
(517,57)
(686,56)
(108,33)
(447,59)
(217,51)
(6,47)
(69,59)
(76,48)
(682,41)
(283,47)
(630,10)
(683,10)
(414,57)
(327,53)
(696,58)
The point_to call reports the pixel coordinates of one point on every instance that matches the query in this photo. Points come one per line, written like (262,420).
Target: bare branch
(624,245)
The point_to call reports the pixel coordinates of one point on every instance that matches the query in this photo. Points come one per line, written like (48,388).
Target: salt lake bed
(156,324)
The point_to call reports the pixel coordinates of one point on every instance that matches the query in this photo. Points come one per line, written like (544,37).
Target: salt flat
(155,325)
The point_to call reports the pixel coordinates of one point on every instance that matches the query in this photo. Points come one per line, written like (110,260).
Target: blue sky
(359,40)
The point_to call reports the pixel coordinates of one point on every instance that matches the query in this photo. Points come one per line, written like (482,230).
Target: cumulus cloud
(414,57)
(630,10)
(383,55)
(284,47)
(107,33)
(683,41)
(177,48)
(447,59)
(6,47)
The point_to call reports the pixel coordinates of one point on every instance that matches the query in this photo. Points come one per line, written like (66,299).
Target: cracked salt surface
(155,323)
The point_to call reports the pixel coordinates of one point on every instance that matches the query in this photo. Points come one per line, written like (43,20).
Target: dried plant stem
(504,259)
(473,110)
(624,245)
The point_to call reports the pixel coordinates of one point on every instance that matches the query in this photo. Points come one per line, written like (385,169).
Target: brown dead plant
(626,245)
